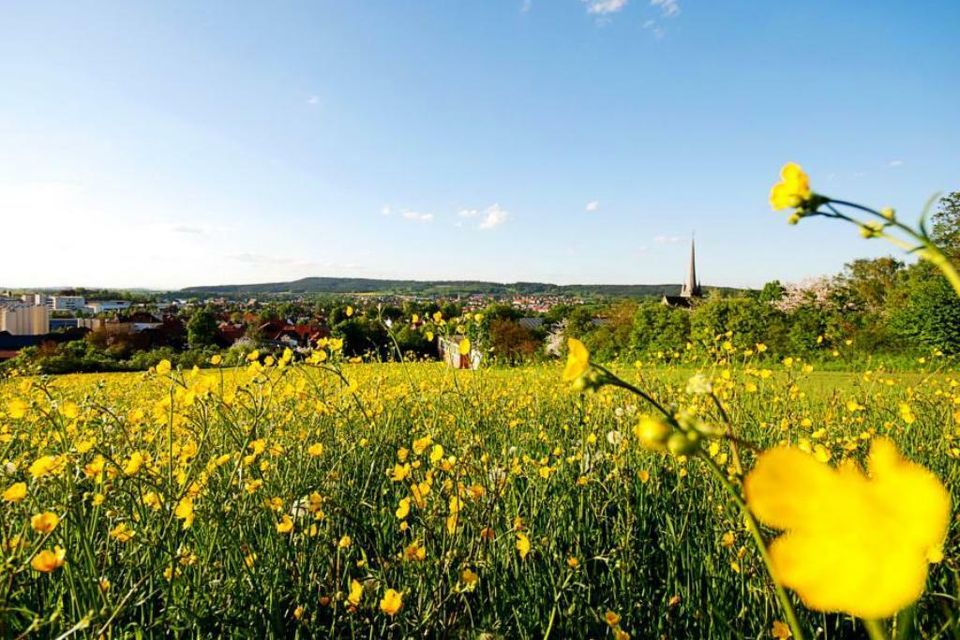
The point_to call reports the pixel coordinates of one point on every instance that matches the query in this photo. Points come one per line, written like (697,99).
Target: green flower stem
(615,381)
(930,251)
(875,630)
(754,528)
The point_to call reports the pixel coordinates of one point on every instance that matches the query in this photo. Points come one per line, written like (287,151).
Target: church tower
(691,287)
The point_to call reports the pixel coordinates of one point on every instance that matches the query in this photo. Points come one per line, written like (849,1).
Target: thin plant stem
(875,629)
(788,611)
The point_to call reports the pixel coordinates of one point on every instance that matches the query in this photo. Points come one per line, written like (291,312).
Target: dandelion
(853,543)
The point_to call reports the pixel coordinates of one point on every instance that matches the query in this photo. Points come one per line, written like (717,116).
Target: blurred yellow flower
(404,509)
(853,543)
(15,492)
(17,408)
(356,593)
(391,602)
(780,631)
(47,561)
(285,525)
(792,190)
(163,367)
(578,360)
(523,545)
(184,511)
(44,522)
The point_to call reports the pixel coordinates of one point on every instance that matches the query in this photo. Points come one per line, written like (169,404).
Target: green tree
(202,328)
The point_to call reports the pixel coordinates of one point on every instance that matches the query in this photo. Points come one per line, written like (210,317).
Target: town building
(107,306)
(67,303)
(25,319)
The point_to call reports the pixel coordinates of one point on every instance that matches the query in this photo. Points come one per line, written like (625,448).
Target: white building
(106,306)
(25,320)
(38,299)
(67,303)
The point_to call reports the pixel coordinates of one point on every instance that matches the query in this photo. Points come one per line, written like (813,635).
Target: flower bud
(653,433)
(683,443)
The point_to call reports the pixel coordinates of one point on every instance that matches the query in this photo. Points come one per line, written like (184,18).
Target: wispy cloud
(593,205)
(668,8)
(416,216)
(604,7)
(385,210)
(895,163)
(186,228)
(663,239)
(313,100)
(526,6)
(490,218)
(654,27)
(494,216)
(263,259)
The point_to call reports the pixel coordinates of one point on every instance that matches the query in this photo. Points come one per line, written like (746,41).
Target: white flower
(699,384)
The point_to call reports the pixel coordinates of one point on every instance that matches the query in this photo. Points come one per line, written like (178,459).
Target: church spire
(691,288)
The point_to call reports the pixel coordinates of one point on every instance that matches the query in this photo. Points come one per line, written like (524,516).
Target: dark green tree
(202,328)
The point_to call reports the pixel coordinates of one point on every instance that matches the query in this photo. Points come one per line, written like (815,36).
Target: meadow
(413,500)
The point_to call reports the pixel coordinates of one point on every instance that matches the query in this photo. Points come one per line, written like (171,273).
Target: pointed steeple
(691,287)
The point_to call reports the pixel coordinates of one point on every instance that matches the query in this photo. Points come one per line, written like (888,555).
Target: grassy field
(290,500)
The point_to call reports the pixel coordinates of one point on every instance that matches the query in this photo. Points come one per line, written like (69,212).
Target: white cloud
(662,239)
(526,6)
(416,216)
(262,259)
(656,29)
(385,210)
(593,205)
(313,100)
(186,228)
(493,216)
(895,163)
(603,7)
(669,8)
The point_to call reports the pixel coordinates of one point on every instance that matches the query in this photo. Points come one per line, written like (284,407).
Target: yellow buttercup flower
(792,190)
(15,492)
(356,593)
(44,522)
(47,561)
(523,545)
(854,543)
(578,360)
(392,602)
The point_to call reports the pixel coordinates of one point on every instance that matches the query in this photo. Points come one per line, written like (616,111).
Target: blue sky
(170,144)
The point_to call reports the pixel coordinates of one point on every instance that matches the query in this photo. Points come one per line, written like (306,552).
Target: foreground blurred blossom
(792,190)
(578,360)
(854,543)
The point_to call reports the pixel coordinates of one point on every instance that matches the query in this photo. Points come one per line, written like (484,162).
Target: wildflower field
(408,500)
